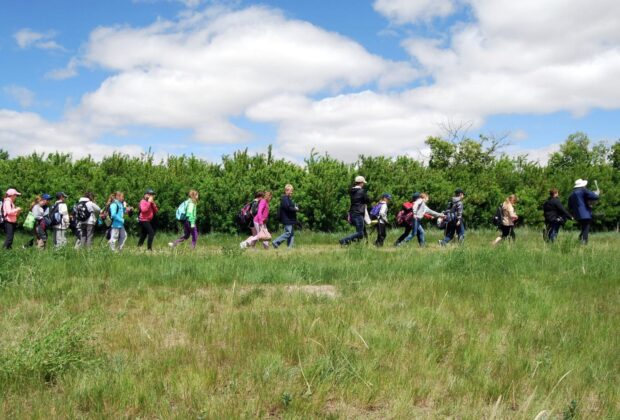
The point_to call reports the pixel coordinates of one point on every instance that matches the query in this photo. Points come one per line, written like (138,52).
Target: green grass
(467,332)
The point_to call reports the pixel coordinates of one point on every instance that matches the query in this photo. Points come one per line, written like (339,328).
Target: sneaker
(171,244)
(441,243)
(274,245)
(243,245)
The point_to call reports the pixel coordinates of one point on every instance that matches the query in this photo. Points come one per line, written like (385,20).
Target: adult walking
(357,211)
(555,215)
(86,214)
(509,217)
(60,229)
(10,213)
(288,216)
(455,225)
(118,234)
(579,204)
(420,209)
(189,224)
(260,224)
(148,209)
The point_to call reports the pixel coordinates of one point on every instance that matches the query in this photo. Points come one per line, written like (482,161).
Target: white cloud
(198,72)
(22,133)
(411,11)
(23,96)
(27,38)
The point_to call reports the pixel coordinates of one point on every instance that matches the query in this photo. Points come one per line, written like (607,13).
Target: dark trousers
(381,234)
(585,230)
(146,229)
(9,228)
(402,237)
(358,222)
(508,232)
(553,229)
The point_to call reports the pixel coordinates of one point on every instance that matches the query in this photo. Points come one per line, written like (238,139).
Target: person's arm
(144,206)
(64,211)
(562,210)
(9,209)
(94,208)
(383,212)
(260,214)
(115,214)
(428,210)
(591,196)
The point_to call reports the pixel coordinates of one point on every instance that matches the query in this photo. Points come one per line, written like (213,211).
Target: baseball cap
(12,191)
(61,194)
(359,179)
(46,196)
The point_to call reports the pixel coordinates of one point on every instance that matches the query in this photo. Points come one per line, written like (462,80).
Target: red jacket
(147,211)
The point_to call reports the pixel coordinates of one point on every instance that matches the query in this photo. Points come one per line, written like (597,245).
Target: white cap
(359,179)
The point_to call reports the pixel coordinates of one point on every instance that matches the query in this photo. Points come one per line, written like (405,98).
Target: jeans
(358,222)
(585,230)
(418,231)
(553,229)
(451,230)
(117,235)
(146,229)
(288,236)
(9,228)
(188,231)
(60,238)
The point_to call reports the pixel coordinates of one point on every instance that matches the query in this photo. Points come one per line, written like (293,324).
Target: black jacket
(359,201)
(554,209)
(288,211)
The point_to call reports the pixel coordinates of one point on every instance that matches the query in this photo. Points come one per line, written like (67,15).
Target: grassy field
(319,331)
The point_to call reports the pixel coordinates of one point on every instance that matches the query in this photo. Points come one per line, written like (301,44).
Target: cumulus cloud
(23,96)
(27,38)
(22,133)
(411,11)
(198,72)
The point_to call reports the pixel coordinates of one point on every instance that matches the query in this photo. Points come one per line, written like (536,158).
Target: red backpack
(404,216)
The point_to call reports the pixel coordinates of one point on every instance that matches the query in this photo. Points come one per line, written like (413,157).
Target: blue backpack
(374,212)
(182,211)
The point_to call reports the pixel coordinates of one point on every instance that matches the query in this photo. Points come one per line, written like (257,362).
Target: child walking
(382,219)
(189,224)
(260,224)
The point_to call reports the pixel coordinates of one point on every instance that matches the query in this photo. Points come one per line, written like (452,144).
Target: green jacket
(191,212)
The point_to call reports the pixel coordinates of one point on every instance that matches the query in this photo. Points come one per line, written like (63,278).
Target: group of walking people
(46,214)
(413,213)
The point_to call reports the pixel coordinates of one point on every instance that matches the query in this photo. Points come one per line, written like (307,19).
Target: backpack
(375,211)
(247,213)
(29,222)
(55,218)
(499,214)
(182,211)
(405,215)
(450,214)
(82,214)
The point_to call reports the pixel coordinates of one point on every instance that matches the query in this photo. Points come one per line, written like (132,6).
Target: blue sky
(345,77)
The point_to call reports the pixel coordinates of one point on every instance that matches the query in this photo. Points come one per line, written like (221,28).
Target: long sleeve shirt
(117,214)
(420,209)
(64,213)
(9,210)
(148,210)
(263,212)
(383,213)
(191,213)
(508,214)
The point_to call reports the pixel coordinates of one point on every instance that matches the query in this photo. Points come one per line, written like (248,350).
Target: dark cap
(415,196)
(150,191)
(459,191)
(46,196)
(387,195)
(60,195)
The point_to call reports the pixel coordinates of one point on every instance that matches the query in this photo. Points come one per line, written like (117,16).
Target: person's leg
(194,233)
(122,237)
(554,229)
(461,232)
(284,237)
(90,235)
(9,228)
(143,233)
(186,234)
(450,230)
(41,236)
(421,235)
(114,236)
(404,236)
(585,231)
(55,237)
(291,239)
(513,236)
(381,234)
(62,238)
(151,235)
(358,222)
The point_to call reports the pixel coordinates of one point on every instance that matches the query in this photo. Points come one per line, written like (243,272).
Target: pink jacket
(263,212)
(147,211)
(9,210)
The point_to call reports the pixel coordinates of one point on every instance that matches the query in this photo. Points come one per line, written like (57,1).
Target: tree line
(322,182)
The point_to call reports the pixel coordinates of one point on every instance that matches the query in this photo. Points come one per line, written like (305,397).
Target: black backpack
(82,214)
(55,218)
(499,215)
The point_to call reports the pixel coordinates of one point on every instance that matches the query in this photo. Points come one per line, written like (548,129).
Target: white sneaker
(171,244)
(243,245)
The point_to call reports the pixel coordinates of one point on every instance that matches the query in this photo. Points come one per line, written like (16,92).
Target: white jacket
(64,212)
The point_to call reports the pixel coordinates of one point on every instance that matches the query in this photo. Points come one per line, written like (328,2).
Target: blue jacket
(117,214)
(578,203)
(288,211)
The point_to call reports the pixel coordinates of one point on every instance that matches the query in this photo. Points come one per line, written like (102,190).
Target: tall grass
(470,332)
